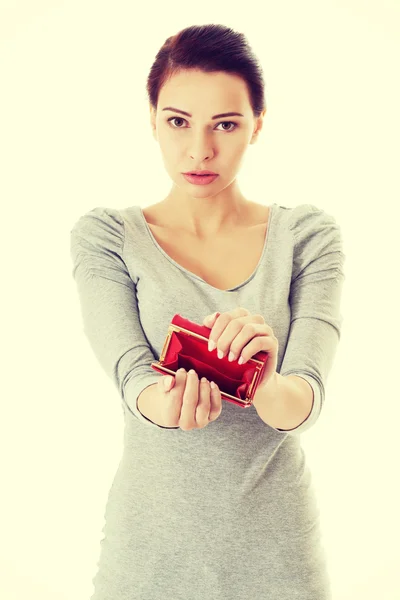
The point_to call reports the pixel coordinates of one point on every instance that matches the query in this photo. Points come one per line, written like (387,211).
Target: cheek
(170,150)
(234,146)
(242,145)
(235,155)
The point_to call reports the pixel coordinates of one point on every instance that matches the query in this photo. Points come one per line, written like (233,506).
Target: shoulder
(313,225)
(99,226)
(99,218)
(311,218)
(316,233)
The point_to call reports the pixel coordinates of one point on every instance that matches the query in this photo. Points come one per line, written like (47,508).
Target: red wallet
(186,345)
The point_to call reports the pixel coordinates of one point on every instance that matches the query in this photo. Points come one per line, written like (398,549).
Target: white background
(74,135)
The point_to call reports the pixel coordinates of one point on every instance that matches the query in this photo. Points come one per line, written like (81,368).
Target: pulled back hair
(209,48)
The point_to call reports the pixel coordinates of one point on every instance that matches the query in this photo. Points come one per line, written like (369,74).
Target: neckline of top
(194,275)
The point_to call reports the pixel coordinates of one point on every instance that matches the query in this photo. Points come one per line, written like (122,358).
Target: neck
(205,217)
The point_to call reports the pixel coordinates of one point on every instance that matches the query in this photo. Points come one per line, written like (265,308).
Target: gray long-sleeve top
(226,512)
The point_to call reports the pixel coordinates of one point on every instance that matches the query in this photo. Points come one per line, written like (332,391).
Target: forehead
(215,89)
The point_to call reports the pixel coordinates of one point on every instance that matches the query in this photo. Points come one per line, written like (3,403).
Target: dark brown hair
(208,48)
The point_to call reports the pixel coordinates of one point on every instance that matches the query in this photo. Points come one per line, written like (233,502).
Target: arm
(109,307)
(294,401)
(285,403)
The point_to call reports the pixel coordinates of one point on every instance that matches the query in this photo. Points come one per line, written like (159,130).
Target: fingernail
(231,356)
(211,345)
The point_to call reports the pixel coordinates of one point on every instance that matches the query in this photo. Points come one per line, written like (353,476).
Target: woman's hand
(181,401)
(243,334)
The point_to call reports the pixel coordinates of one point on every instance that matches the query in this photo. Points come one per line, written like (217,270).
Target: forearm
(285,402)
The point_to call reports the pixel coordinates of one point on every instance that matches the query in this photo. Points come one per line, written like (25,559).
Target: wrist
(268,392)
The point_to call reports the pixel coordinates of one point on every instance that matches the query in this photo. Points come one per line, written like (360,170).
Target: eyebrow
(228,114)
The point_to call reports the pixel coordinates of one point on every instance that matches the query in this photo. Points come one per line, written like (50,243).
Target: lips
(200,179)
(201,173)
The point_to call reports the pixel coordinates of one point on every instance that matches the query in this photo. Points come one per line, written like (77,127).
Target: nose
(201,150)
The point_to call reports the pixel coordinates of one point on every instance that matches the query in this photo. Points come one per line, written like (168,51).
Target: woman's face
(198,142)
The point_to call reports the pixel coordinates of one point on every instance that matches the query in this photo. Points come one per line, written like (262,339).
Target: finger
(265,343)
(204,403)
(180,381)
(209,320)
(231,321)
(239,332)
(173,396)
(168,382)
(176,391)
(177,380)
(215,403)
(187,419)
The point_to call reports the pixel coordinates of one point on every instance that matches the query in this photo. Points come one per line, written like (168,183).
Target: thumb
(167,382)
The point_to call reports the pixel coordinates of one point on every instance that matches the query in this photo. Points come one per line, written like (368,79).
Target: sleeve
(315,299)
(108,302)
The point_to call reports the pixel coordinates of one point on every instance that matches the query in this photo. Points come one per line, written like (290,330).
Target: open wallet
(186,345)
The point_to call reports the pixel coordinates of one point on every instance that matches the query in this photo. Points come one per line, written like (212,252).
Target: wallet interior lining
(193,346)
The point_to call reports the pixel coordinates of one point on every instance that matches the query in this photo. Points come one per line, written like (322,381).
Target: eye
(235,125)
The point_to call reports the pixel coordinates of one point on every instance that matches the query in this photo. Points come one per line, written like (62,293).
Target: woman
(211,501)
